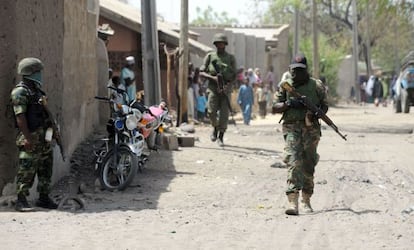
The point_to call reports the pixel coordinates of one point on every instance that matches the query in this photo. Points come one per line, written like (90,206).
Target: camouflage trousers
(37,161)
(218,110)
(301,155)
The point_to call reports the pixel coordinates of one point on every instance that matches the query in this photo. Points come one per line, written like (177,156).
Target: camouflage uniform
(32,119)
(301,132)
(218,102)
(40,159)
(301,141)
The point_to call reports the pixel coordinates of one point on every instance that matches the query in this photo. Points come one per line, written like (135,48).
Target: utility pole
(296,35)
(368,41)
(316,72)
(355,50)
(150,53)
(183,63)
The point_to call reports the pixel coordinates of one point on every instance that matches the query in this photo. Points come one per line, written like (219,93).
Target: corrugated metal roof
(130,17)
(268,33)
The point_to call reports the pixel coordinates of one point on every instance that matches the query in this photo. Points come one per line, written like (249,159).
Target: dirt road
(207,197)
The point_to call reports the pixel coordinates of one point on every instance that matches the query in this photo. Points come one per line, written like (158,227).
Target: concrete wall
(206,37)
(62,34)
(248,50)
(8,152)
(345,78)
(239,50)
(280,57)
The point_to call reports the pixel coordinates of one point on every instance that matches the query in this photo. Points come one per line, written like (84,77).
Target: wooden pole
(183,60)
(316,72)
(169,54)
(355,50)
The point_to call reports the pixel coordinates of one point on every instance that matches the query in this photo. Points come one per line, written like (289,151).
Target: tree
(390,25)
(210,17)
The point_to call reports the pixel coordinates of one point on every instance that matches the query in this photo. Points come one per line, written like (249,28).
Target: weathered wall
(280,56)
(7,74)
(62,34)
(79,68)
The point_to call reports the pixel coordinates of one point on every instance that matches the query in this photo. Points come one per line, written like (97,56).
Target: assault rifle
(221,87)
(312,107)
(220,81)
(56,130)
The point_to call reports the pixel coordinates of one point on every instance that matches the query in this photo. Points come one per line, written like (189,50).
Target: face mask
(36,77)
(300,76)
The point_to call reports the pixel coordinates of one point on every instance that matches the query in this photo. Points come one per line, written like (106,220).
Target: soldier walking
(218,105)
(301,132)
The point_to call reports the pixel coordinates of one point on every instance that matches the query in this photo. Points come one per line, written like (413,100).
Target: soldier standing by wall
(218,99)
(33,139)
(301,132)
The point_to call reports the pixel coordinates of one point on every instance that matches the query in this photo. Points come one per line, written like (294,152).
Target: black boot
(213,136)
(220,139)
(45,202)
(22,205)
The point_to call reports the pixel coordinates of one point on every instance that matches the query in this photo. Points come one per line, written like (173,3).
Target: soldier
(218,103)
(301,132)
(35,152)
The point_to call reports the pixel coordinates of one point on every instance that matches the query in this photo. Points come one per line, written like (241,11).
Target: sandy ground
(207,197)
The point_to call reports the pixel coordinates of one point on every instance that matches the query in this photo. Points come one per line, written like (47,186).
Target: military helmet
(220,37)
(29,65)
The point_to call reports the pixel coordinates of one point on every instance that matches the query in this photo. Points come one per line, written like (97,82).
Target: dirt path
(206,197)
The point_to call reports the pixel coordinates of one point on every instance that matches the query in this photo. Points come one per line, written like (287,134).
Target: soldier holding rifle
(301,131)
(219,68)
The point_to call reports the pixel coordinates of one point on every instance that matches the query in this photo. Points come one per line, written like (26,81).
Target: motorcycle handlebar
(117,89)
(102,98)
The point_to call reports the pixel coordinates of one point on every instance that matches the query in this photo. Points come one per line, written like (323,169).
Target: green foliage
(210,17)
(388,24)
(330,58)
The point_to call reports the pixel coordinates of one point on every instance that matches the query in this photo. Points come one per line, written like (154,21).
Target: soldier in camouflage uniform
(218,100)
(35,153)
(301,132)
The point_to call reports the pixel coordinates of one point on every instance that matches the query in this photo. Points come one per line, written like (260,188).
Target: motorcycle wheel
(121,175)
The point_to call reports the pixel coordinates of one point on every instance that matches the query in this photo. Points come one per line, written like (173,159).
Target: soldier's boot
(307,208)
(22,205)
(220,139)
(45,202)
(213,135)
(293,204)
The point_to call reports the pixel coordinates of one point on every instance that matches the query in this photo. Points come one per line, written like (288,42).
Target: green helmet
(29,65)
(220,37)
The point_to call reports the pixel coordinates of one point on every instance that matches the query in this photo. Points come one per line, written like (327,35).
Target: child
(245,99)
(201,105)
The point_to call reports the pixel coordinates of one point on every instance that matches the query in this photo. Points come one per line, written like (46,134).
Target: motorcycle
(121,155)
(152,123)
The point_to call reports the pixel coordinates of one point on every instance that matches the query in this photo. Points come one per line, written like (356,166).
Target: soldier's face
(220,45)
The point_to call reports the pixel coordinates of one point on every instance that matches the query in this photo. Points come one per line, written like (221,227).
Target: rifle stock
(56,131)
(313,108)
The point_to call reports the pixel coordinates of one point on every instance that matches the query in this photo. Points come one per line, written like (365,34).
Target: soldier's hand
(295,103)
(56,135)
(28,145)
(43,100)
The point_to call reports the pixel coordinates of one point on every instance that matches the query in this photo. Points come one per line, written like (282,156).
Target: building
(253,47)
(63,35)
(126,21)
